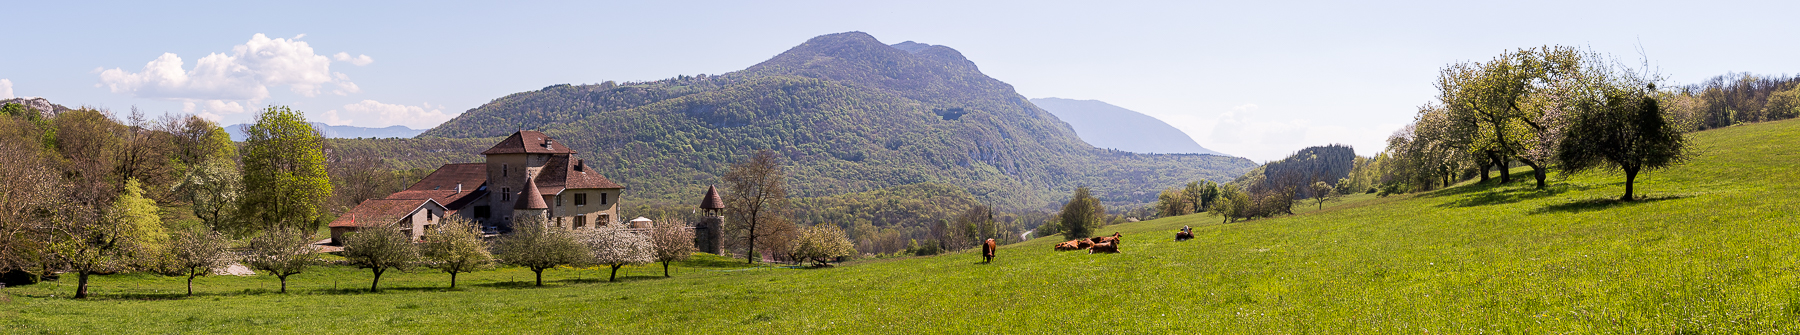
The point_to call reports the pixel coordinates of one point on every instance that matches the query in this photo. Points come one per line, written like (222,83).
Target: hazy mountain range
(1107,126)
(330,131)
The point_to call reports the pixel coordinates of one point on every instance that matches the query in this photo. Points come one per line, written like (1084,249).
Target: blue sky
(1254,79)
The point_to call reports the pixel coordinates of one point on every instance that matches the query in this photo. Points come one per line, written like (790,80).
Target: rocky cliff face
(49,110)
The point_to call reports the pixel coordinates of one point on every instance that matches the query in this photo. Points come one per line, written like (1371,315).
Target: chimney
(580,165)
(458,187)
(546,143)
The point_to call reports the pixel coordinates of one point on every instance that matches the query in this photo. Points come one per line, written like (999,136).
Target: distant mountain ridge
(1107,126)
(330,131)
(847,113)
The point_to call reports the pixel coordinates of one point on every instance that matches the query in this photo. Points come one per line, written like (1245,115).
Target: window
(580,220)
(502,170)
(602,198)
(481,212)
(559,200)
(581,199)
(505,194)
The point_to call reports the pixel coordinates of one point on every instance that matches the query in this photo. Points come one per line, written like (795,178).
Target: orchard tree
(615,248)
(673,241)
(1626,131)
(282,252)
(756,206)
(380,248)
(1322,192)
(534,245)
(285,184)
(196,252)
(125,235)
(1509,101)
(821,244)
(455,246)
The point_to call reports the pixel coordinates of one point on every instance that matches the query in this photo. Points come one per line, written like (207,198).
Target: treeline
(1732,99)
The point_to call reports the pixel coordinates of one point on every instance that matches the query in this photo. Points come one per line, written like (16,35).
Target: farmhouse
(526,175)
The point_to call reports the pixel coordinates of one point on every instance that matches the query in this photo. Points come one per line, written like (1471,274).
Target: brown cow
(1186,233)
(1114,239)
(1104,248)
(1084,244)
(1067,246)
(987,251)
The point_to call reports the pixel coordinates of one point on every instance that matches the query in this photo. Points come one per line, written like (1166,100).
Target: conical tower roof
(712,200)
(531,198)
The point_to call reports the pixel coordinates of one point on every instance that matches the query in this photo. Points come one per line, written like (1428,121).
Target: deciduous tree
(196,252)
(616,248)
(1626,131)
(821,244)
(536,246)
(282,252)
(285,184)
(455,246)
(674,242)
(380,248)
(756,206)
(1082,214)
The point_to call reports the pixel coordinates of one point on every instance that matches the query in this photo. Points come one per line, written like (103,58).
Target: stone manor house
(527,174)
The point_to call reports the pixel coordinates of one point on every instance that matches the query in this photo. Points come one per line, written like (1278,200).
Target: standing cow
(987,251)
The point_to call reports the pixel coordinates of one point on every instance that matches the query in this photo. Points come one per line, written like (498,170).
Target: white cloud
(6,89)
(415,117)
(332,118)
(243,75)
(214,107)
(359,60)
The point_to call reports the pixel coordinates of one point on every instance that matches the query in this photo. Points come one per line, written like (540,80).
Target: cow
(1104,248)
(1083,244)
(1186,233)
(1068,246)
(1114,239)
(987,251)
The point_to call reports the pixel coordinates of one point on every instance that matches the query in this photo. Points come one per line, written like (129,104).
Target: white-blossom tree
(455,246)
(821,244)
(674,242)
(616,248)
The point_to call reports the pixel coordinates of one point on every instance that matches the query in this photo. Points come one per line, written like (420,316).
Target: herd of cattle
(1097,244)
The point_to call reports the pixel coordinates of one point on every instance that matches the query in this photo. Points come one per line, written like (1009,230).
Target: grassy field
(1712,250)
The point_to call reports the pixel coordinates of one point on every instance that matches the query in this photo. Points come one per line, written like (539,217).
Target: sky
(1257,79)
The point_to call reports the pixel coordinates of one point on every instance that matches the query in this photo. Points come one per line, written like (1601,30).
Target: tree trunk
(750,248)
(540,276)
(190,284)
(283,283)
(375,284)
(1539,172)
(1630,177)
(615,273)
(452,280)
(1484,171)
(665,269)
(81,285)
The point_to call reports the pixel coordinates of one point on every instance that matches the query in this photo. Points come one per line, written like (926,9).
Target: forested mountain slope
(849,114)
(1107,126)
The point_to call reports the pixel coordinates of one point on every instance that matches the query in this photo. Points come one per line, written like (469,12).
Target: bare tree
(197,252)
(756,207)
(673,241)
(282,252)
(455,246)
(26,198)
(378,249)
(614,247)
(536,246)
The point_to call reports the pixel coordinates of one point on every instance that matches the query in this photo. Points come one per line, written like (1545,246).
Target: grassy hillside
(1710,251)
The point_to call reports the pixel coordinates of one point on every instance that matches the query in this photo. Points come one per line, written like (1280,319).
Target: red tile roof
(528,142)
(379,211)
(712,200)
(559,174)
(531,198)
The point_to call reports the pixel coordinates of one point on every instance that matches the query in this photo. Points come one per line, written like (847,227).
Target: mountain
(1107,126)
(847,113)
(330,131)
(43,106)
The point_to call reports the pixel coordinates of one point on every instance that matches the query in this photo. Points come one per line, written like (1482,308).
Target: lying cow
(1114,239)
(1186,233)
(1104,248)
(1068,246)
(987,251)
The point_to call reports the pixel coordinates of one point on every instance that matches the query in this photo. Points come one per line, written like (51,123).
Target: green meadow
(1711,249)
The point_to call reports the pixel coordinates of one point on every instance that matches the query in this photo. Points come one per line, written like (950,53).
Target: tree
(673,241)
(214,188)
(1322,192)
(1232,204)
(1082,215)
(196,252)
(28,198)
(285,184)
(1626,131)
(756,207)
(821,244)
(536,246)
(1508,103)
(126,235)
(379,248)
(282,252)
(1192,195)
(615,248)
(455,246)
